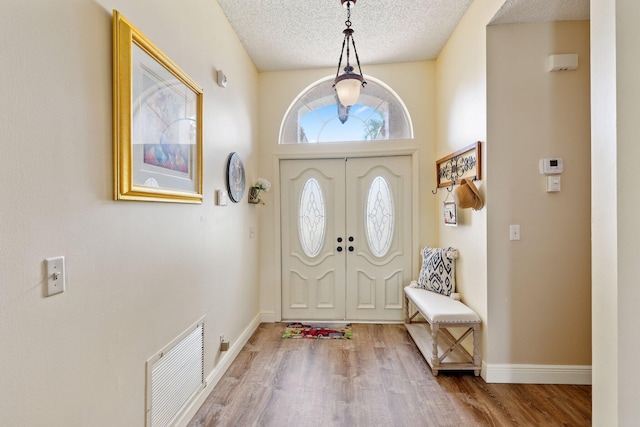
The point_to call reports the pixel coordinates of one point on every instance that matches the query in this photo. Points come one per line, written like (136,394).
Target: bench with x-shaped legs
(444,319)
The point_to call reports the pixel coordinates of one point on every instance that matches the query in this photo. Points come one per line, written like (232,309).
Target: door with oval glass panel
(346,238)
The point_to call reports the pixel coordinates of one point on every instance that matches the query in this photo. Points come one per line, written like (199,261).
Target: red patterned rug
(318,331)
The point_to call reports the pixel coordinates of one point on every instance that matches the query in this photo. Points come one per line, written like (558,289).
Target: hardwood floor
(377,379)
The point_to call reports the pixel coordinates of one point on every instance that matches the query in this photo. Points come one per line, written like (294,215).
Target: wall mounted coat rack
(464,163)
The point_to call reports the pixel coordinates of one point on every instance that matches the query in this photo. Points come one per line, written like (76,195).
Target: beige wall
(138,273)
(413,82)
(616,235)
(539,288)
(495,277)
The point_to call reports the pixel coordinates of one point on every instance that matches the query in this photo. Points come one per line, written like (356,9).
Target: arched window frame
(291,131)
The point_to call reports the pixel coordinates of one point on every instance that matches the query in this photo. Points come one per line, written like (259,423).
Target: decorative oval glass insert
(311,218)
(379,217)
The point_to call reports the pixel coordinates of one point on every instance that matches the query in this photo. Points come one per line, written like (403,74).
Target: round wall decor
(235,177)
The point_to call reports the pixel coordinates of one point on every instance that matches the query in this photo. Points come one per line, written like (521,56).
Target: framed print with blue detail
(235,177)
(157,122)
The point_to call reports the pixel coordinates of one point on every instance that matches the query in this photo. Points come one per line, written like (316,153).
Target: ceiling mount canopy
(348,84)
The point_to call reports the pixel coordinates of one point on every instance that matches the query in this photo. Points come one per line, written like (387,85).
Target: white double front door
(346,238)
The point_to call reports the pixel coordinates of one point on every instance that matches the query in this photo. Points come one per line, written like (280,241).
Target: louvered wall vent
(175,376)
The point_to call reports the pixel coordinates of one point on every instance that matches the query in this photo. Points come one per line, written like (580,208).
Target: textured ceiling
(287,35)
(522,11)
(280,35)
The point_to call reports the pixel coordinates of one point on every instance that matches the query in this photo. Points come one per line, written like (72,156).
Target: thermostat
(551,166)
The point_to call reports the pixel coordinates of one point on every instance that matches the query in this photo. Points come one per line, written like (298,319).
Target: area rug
(318,331)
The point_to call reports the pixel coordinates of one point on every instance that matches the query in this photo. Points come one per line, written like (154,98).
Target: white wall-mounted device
(222,197)
(514,232)
(564,62)
(553,183)
(222,79)
(551,166)
(56,279)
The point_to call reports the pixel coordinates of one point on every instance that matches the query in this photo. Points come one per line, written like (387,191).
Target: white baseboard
(537,374)
(217,373)
(268,317)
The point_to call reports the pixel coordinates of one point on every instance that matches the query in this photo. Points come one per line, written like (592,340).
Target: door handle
(339,239)
(339,248)
(351,238)
(351,248)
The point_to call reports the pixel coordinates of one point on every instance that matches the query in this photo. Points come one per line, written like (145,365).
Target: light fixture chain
(349,37)
(348,94)
(357,59)
(341,53)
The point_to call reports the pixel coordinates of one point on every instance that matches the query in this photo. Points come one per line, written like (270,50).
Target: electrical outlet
(224,345)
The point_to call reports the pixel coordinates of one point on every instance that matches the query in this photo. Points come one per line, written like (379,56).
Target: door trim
(337,154)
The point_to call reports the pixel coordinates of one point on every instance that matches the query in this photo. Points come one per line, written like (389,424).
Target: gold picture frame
(157,122)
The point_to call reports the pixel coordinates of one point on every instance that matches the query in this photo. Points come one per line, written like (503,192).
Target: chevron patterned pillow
(438,272)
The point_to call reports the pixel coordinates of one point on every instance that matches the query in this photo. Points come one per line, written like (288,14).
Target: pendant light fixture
(348,84)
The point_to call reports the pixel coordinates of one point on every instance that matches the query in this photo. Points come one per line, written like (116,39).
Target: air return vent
(175,376)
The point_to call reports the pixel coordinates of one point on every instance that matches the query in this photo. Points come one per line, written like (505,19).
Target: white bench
(432,337)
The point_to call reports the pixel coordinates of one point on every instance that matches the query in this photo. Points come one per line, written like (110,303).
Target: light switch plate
(553,183)
(514,232)
(55,275)
(222,197)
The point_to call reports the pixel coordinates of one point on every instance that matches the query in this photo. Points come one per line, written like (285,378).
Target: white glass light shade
(348,89)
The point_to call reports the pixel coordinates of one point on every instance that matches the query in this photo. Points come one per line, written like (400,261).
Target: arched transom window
(316,116)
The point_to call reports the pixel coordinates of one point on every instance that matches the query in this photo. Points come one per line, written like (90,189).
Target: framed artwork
(464,163)
(157,122)
(450,213)
(235,177)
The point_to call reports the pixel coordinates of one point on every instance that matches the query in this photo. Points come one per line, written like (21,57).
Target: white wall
(138,273)
(461,99)
(615,104)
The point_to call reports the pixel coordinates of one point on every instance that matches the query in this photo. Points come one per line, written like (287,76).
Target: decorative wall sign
(235,177)
(157,122)
(450,213)
(465,163)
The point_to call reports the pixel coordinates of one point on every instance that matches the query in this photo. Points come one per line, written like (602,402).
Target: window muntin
(316,116)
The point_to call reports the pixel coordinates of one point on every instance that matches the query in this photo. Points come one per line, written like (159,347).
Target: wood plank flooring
(377,379)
